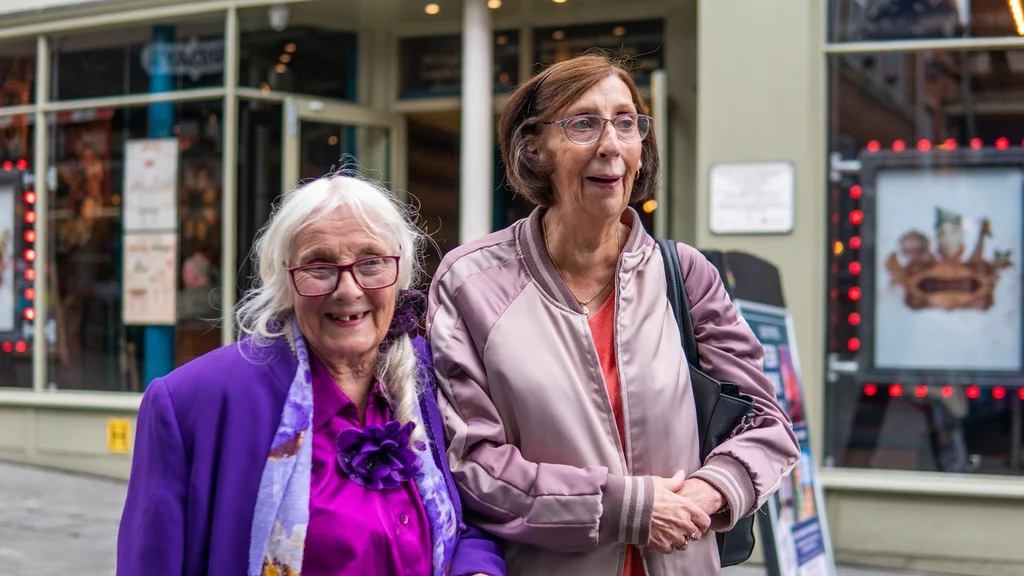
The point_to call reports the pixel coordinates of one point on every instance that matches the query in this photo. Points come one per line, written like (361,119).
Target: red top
(602,327)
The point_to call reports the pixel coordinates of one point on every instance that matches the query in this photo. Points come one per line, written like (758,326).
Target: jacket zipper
(624,443)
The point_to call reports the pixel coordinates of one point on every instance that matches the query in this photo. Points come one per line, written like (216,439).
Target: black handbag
(722,411)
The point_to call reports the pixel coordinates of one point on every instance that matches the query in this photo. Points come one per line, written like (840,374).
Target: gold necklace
(582,303)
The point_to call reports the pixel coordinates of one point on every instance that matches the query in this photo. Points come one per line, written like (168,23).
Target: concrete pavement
(54,524)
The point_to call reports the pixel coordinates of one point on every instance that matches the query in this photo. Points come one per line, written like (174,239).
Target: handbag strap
(679,299)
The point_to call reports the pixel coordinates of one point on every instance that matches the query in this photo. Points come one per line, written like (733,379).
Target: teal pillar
(158,341)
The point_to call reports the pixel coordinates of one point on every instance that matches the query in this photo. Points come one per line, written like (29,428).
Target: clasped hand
(681,512)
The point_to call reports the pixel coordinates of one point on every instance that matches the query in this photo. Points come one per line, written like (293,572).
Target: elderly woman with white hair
(314,446)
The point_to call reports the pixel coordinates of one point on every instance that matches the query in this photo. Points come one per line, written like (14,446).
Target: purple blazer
(202,439)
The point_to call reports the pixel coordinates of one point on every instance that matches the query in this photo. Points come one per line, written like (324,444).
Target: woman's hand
(704,495)
(675,518)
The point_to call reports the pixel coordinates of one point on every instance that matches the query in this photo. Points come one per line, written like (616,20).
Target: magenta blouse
(355,530)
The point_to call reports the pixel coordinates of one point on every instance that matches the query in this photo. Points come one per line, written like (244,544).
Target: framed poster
(7,268)
(942,281)
(795,531)
(151,184)
(150,279)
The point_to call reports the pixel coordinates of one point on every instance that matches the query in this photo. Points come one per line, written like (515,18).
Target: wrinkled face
(596,179)
(349,324)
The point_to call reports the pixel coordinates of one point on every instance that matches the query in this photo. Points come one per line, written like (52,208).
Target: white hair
(266,310)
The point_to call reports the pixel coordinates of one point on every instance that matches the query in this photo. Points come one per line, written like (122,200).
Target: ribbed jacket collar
(542,268)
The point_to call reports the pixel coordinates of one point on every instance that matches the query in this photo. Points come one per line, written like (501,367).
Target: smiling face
(347,326)
(594,179)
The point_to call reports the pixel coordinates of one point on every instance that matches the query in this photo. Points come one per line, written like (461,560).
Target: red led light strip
(30,253)
(925,145)
(973,392)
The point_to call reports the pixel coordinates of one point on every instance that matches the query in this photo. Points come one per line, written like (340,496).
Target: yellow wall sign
(119,435)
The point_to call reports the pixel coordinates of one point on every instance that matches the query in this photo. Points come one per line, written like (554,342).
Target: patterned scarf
(282,504)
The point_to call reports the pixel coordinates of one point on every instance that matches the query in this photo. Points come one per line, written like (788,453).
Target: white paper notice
(752,198)
(151,185)
(150,279)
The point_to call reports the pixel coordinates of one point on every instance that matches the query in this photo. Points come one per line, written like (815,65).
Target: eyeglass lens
(587,128)
(370,274)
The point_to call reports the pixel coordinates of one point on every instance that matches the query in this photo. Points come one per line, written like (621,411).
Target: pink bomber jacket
(533,445)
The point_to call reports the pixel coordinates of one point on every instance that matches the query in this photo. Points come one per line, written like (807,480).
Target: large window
(869,20)
(105,280)
(17,72)
(299,47)
(161,57)
(925,331)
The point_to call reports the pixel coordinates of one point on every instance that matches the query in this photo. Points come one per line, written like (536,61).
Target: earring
(638,173)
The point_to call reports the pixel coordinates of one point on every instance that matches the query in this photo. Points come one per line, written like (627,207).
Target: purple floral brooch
(378,457)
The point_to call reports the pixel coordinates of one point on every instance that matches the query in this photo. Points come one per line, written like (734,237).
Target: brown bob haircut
(542,99)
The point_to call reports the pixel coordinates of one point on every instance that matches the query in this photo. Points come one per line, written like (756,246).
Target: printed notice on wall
(151,184)
(752,198)
(149,279)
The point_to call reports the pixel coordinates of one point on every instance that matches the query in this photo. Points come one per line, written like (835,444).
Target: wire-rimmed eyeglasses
(587,128)
(320,279)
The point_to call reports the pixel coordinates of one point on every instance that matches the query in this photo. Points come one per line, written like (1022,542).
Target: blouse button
(404,520)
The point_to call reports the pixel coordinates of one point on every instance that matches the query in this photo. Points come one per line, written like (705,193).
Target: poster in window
(7,268)
(947,269)
(150,184)
(799,543)
(150,279)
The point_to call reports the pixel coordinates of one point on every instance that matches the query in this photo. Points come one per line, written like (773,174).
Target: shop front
(143,145)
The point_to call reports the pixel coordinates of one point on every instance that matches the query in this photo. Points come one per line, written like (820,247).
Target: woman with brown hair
(563,385)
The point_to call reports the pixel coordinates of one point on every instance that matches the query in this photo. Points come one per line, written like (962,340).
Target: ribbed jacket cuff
(628,502)
(732,479)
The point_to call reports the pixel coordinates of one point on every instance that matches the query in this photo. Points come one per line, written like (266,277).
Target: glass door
(323,137)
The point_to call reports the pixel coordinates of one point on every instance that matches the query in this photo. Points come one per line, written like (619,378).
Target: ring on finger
(680,545)
(692,537)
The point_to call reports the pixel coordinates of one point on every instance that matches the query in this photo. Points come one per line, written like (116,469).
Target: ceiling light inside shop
(494,4)
(265,88)
(432,9)
(281,68)
(619,31)
(289,47)
(502,40)
(286,58)
(559,1)
(1017,10)
(332,141)
(558,35)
